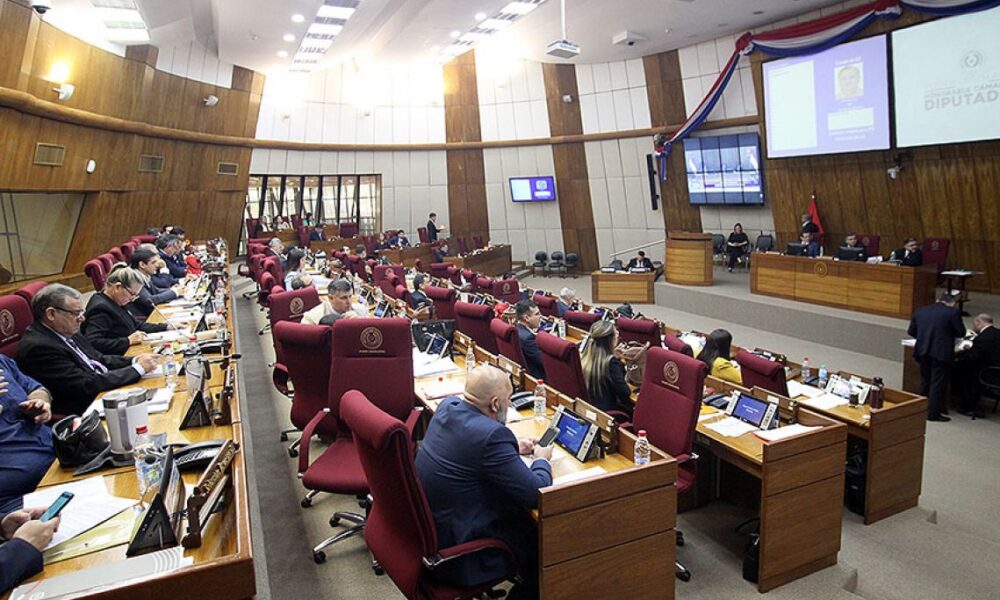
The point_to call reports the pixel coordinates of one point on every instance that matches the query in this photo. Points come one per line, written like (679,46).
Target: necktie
(95,365)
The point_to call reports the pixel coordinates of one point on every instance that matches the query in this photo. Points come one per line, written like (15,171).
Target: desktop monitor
(850,253)
(797,249)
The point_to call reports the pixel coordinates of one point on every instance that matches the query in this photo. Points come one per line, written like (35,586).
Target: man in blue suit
(529,318)
(935,328)
(477,485)
(172,252)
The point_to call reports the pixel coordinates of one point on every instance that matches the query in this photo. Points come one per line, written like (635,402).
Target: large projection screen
(947,80)
(831,102)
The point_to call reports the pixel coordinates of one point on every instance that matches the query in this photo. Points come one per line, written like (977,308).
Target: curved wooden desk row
(223,565)
(490,262)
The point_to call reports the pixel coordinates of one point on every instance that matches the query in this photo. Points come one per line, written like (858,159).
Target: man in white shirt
(338,301)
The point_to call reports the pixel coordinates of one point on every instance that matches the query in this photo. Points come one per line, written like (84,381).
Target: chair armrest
(683,458)
(279,377)
(307,433)
(453,552)
(411,420)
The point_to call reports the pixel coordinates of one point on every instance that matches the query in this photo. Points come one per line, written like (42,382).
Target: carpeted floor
(945,548)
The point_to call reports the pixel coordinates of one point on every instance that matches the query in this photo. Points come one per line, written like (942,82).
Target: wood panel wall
(467,212)
(950,191)
(120,201)
(665,93)
(576,211)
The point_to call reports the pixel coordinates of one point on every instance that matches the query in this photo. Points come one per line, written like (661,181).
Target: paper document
(909,342)
(428,366)
(796,389)
(174,335)
(709,416)
(159,403)
(103,575)
(826,401)
(443,389)
(91,504)
(773,435)
(157,372)
(578,475)
(731,427)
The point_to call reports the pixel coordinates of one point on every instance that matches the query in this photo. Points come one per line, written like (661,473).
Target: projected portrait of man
(849,84)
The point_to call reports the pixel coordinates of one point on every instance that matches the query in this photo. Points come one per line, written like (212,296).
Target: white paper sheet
(157,372)
(159,403)
(796,389)
(433,366)
(826,401)
(175,335)
(91,505)
(731,427)
(773,435)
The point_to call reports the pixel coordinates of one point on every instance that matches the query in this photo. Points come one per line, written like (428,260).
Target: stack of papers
(433,366)
(731,427)
(91,505)
(105,574)
(773,435)
(443,389)
(826,401)
(796,389)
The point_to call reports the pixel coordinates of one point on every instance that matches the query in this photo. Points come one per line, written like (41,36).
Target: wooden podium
(689,259)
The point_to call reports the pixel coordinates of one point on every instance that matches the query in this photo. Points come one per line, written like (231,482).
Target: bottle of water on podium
(539,404)
(823,376)
(169,365)
(470,360)
(806,373)
(642,451)
(147,462)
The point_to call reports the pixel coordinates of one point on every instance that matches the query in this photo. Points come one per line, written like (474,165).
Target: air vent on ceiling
(49,155)
(228,168)
(149,163)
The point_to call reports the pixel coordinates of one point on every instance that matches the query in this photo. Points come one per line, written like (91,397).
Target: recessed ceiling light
(480,16)
(667,30)
(455,33)
(494,24)
(518,8)
(289,37)
(282,54)
(296,18)
(335,12)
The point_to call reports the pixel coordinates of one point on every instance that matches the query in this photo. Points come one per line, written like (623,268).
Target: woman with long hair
(604,372)
(715,354)
(295,268)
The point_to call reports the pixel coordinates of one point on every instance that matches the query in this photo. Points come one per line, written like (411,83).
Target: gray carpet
(945,548)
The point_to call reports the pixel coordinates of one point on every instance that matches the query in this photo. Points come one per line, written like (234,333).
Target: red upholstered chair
(477,241)
(672,342)
(425,238)
(117,253)
(403,293)
(107,261)
(272,265)
(145,238)
(508,341)
(95,270)
(28,291)
(251,227)
(463,245)
(371,245)
(127,249)
(296,221)
(15,316)
(870,242)
(546,305)
(936,252)
(355,265)
(379,272)
(348,230)
(455,274)
(470,277)
(561,359)
(440,270)
(400,530)
(303,234)
(307,349)
(263,241)
(639,330)
(291,305)
(474,321)
(364,350)
(580,320)
(444,301)
(266,284)
(418,264)
(759,371)
(483,284)
(506,290)
(667,409)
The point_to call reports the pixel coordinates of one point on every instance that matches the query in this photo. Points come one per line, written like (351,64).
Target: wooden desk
(624,287)
(882,289)
(689,259)
(491,262)
(408,256)
(288,236)
(332,245)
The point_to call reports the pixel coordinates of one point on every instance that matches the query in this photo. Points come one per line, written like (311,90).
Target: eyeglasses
(75,313)
(131,294)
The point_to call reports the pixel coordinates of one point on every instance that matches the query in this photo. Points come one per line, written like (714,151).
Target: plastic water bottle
(169,365)
(539,404)
(220,298)
(806,373)
(147,461)
(470,360)
(823,376)
(642,451)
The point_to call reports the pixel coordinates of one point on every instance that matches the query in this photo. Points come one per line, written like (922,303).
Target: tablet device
(365,296)
(601,312)
(546,326)
(382,310)
(754,411)
(584,342)
(576,434)
(437,346)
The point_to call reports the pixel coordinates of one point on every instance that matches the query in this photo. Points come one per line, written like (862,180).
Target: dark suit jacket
(109,325)
(615,393)
(810,227)
(45,357)
(985,350)
(149,296)
(915,259)
(175,264)
(532,355)
(162,280)
(477,486)
(561,308)
(19,560)
(316,236)
(935,327)
(432,231)
(439,255)
(644,264)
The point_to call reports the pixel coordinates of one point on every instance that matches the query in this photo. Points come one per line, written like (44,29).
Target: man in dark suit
(935,328)
(566,301)
(529,319)
(983,353)
(317,235)
(147,264)
(440,252)
(433,229)
(276,247)
(172,252)
(807,225)
(477,485)
(53,352)
(25,435)
(108,325)
(910,255)
(640,262)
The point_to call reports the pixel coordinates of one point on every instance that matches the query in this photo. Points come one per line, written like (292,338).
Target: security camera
(211,100)
(41,6)
(893,172)
(631,42)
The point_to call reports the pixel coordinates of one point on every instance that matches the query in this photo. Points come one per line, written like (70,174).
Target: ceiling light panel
(519,8)
(335,12)
(120,14)
(488,25)
(325,27)
(495,24)
(129,4)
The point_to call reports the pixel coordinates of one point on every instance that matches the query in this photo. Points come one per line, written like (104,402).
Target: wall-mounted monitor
(946,82)
(533,189)
(724,169)
(830,102)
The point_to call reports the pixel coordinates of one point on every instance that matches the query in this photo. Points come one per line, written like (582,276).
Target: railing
(637,248)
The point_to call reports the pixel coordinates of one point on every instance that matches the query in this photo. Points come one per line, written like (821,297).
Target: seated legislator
(477,486)
(715,354)
(172,252)
(737,245)
(54,353)
(529,318)
(25,436)
(334,267)
(295,268)
(109,326)
(338,302)
(420,298)
(852,241)
(276,247)
(910,255)
(812,246)
(147,264)
(566,301)
(604,372)
(984,353)
(22,538)
(317,235)
(440,252)
(640,262)
(162,277)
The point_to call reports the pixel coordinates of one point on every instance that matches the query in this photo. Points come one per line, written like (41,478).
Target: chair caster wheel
(334,521)
(292,452)
(283,437)
(378,569)
(684,576)
(319,557)
(680,539)
(306,502)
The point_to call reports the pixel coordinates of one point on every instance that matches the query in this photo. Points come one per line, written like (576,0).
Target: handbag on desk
(633,354)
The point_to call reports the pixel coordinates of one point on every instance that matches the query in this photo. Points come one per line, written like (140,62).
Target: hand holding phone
(56,507)
(549,436)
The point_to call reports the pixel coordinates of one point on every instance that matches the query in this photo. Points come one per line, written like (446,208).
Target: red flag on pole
(814,214)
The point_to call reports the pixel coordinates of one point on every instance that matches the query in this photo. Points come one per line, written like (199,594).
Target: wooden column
(467,213)
(665,92)
(575,209)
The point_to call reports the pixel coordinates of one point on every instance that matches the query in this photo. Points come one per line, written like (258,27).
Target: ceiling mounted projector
(563,48)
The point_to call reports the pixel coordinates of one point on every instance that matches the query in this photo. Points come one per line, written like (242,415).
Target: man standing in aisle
(935,328)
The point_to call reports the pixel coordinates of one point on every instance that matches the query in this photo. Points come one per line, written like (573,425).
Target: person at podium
(910,255)
(640,262)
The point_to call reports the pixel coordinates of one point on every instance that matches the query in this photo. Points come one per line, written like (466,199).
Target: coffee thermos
(124,410)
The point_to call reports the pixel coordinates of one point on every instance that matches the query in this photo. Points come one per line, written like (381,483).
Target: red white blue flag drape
(809,38)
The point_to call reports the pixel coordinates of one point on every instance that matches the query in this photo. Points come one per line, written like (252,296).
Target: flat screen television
(533,189)
(724,169)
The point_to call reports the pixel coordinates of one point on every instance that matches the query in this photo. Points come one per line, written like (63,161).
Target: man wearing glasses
(54,353)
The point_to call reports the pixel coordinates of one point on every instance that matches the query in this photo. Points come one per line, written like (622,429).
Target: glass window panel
(28,250)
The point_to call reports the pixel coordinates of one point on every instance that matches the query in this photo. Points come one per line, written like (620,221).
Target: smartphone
(56,507)
(548,437)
